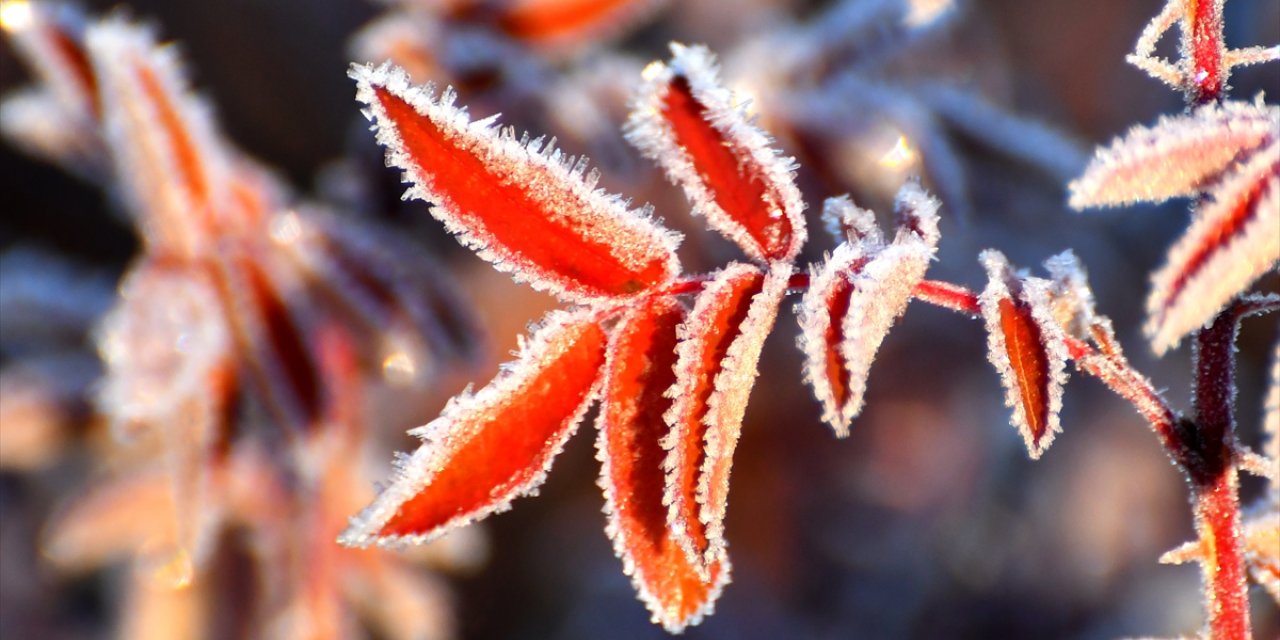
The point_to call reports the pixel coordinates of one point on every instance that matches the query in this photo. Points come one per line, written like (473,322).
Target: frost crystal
(491,447)
(640,369)
(1027,347)
(1176,157)
(530,210)
(857,295)
(684,119)
(715,371)
(1230,244)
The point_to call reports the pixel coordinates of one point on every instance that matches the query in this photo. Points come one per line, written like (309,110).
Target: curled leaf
(640,369)
(1176,157)
(1027,347)
(857,295)
(719,348)
(689,123)
(532,211)
(1231,243)
(491,447)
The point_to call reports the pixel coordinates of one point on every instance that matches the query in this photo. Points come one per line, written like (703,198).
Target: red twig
(1203,28)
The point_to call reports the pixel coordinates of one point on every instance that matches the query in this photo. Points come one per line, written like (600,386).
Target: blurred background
(929,521)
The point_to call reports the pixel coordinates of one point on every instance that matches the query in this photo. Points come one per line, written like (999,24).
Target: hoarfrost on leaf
(719,348)
(1176,157)
(490,447)
(684,119)
(640,369)
(1230,244)
(528,208)
(857,295)
(1027,347)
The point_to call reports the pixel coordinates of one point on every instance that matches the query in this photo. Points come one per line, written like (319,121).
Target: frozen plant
(671,358)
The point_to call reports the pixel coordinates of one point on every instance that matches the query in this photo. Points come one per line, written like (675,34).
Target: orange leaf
(489,448)
(686,121)
(719,348)
(641,368)
(1027,347)
(531,211)
(566,23)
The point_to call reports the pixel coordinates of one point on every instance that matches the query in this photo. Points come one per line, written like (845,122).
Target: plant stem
(1202,38)
(1209,461)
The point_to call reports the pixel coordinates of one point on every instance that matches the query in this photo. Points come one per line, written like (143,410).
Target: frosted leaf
(1027,347)
(168,158)
(1230,244)
(490,447)
(728,405)
(855,297)
(719,347)
(531,211)
(684,119)
(845,220)
(567,26)
(1071,296)
(1176,157)
(640,370)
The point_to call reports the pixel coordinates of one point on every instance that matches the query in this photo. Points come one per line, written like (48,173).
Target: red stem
(1202,35)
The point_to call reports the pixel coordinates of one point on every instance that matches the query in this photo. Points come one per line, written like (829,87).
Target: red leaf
(1027,347)
(719,348)
(489,448)
(1232,242)
(530,211)
(686,121)
(857,295)
(641,368)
